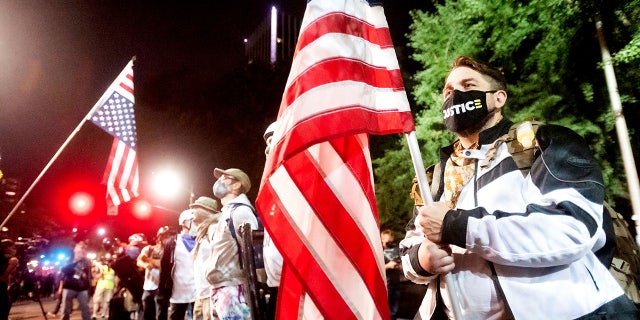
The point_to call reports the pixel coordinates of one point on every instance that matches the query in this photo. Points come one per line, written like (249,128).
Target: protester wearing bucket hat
(206,203)
(223,269)
(206,214)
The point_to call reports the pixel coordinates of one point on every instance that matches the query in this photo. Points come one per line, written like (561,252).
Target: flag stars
(116,116)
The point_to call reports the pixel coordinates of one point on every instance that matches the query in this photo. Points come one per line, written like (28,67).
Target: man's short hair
(387,231)
(496,76)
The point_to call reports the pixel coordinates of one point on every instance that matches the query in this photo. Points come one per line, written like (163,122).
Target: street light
(167,183)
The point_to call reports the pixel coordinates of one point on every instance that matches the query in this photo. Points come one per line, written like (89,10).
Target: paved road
(28,309)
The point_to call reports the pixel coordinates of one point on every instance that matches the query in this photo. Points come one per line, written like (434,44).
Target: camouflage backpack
(625,265)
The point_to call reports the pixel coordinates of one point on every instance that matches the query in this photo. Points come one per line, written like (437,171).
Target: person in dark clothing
(155,302)
(393,270)
(75,283)
(8,265)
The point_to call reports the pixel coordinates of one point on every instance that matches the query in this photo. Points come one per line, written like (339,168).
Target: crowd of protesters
(191,270)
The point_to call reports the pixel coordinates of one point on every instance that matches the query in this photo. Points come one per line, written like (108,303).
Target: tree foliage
(551,57)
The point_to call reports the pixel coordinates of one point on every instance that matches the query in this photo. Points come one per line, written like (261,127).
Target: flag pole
(621,130)
(418,166)
(55,156)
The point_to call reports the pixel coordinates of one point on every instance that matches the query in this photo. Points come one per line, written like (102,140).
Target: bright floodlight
(101,231)
(166,183)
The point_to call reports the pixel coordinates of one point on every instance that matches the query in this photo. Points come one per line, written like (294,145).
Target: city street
(29,309)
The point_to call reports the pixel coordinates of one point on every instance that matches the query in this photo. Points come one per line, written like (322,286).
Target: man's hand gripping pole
(423,185)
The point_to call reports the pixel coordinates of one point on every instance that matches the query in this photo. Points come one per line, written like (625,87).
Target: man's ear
(236,187)
(500,99)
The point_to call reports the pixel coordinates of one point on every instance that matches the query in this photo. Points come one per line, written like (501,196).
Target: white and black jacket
(537,232)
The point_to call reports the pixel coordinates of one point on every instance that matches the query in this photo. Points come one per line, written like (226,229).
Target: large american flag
(316,197)
(114,114)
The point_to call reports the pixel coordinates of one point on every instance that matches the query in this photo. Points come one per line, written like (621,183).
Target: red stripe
(343,69)
(126,87)
(289,295)
(112,155)
(312,277)
(344,230)
(354,158)
(119,171)
(339,22)
(350,120)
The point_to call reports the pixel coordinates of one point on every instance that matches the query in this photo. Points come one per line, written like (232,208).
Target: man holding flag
(518,246)
(317,197)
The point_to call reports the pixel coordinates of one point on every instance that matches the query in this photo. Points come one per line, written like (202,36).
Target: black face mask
(466,111)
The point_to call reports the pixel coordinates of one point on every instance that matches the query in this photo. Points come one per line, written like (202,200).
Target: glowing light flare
(142,209)
(166,183)
(81,203)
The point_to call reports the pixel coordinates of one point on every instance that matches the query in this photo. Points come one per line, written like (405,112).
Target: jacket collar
(487,136)
(490,135)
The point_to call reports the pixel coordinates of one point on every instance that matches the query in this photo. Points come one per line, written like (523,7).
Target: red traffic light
(142,209)
(81,203)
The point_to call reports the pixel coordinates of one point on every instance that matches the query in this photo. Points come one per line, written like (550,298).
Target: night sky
(196,106)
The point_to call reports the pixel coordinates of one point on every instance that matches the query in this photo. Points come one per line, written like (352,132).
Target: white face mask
(220,189)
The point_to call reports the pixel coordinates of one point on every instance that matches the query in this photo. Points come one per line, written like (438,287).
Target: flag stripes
(340,69)
(121,174)
(344,60)
(317,198)
(336,237)
(128,85)
(343,23)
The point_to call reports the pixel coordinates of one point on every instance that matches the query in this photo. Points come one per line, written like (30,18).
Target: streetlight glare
(166,183)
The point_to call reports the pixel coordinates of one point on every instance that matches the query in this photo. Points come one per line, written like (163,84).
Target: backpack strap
(232,228)
(521,151)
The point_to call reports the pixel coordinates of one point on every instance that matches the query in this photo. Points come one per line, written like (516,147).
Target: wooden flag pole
(621,130)
(425,193)
(55,156)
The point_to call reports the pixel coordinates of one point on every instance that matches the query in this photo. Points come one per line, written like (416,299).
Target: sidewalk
(29,309)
